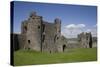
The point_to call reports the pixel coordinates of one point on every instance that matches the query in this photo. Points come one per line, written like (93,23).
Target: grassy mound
(29,57)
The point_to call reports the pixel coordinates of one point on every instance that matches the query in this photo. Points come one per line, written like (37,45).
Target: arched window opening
(57,38)
(64,47)
(25,28)
(29,41)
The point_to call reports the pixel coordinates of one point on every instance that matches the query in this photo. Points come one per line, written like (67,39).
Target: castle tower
(50,35)
(85,40)
(58,25)
(31,32)
(89,39)
(40,35)
(57,37)
(57,28)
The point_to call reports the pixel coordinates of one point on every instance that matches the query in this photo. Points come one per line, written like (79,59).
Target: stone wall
(51,35)
(48,38)
(40,35)
(15,41)
(85,40)
(31,32)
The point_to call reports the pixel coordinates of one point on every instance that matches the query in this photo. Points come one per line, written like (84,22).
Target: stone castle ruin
(85,40)
(40,35)
(37,34)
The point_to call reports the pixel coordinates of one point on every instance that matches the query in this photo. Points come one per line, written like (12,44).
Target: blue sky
(74,18)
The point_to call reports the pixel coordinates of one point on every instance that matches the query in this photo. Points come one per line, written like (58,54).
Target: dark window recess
(64,47)
(25,28)
(29,41)
(57,37)
(33,17)
(43,38)
(38,27)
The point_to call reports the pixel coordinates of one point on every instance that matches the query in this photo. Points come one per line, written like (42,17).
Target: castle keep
(37,34)
(40,35)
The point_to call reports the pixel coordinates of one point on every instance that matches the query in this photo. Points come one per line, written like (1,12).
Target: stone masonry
(40,35)
(85,40)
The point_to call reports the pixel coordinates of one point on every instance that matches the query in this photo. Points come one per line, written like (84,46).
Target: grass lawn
(29,57)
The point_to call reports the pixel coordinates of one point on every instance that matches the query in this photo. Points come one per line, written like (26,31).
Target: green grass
(29,57)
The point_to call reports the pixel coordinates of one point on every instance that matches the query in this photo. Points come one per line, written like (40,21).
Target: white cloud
(72,30)
(80,25)
(75,26)
(70,26)
(88,30)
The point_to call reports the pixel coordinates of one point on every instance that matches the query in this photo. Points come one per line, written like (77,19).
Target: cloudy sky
(72,30)
(74,18)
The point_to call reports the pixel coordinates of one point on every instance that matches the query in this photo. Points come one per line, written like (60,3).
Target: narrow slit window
(43,38)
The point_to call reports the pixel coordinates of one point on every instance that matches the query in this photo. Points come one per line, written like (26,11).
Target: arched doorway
(90,42)
(64,47)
